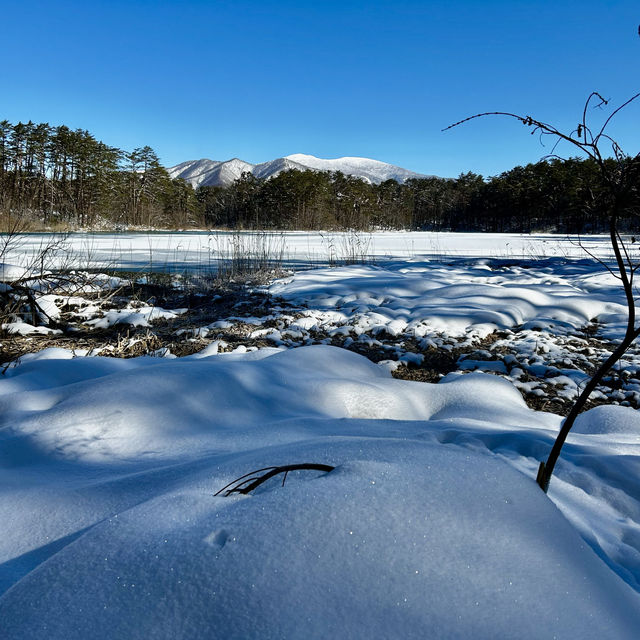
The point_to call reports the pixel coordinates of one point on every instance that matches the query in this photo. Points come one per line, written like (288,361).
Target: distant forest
(52,177)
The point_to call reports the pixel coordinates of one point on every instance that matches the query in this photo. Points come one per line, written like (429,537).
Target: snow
(206,172)
(48,306)
(139,316)
(11,272)
(203,250)
(457,298)
(430,525)
(114,530)
(24,328)
(366,168)
(609,421)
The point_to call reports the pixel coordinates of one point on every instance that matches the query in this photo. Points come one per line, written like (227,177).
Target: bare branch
(545,129)
(618,187)
(524,120)
(249,481)
(613,114)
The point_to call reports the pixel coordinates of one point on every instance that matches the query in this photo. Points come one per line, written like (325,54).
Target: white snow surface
(11,272)
(202,250)
(207,172)
(135,316)
(463,298)
(431,524)
(24,328)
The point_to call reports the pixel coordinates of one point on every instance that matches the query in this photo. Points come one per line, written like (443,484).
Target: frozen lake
(196,250)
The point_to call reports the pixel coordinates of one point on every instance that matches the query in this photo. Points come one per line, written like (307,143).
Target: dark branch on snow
(249,481)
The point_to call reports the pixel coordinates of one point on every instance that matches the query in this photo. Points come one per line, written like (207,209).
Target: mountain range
(205,173)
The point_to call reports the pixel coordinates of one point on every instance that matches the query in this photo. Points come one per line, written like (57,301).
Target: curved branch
(612,115)
(585,128)
(249,481)
(488,113)
(589,149)
(545,470)
(618,182)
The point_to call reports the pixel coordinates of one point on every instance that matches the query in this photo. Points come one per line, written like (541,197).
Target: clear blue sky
(258,80)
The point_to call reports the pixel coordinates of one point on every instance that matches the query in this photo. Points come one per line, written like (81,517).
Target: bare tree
(617,198)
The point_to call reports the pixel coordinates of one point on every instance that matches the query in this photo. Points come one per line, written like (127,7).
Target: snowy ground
(180,251)
(430,524)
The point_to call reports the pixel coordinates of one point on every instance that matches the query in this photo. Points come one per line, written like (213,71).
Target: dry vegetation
(231,311)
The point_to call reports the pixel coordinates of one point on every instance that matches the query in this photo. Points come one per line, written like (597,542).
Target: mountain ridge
(206,172)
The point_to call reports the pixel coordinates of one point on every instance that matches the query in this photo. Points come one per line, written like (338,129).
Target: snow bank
(108,469)
(401,540)
(103,409)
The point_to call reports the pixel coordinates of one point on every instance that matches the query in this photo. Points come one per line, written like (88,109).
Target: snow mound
(128,409)
(11,272)
(399,541)
(609,419)
(137,317)
(430,525)
(25,329)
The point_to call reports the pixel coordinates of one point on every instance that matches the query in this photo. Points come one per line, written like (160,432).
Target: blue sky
(258,80)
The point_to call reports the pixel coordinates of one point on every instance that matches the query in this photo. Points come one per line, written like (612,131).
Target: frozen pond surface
(194,250)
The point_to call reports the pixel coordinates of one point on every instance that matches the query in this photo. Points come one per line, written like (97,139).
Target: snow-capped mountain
(215,173)
(210,172)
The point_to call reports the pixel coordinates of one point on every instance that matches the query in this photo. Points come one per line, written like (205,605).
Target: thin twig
(249,481)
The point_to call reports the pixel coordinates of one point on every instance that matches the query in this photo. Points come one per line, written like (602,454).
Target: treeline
(55,175)
(551,196)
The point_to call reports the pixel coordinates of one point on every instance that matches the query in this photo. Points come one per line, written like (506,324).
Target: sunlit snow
(431,524)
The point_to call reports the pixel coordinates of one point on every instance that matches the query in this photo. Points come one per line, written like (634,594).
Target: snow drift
(112,530)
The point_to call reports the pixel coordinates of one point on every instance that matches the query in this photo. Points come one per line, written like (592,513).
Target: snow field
(204,250)
(431,525)
(109,468)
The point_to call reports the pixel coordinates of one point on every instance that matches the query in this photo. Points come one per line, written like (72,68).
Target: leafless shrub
(618,198)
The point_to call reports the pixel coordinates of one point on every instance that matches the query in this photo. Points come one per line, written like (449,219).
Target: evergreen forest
(55,177)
